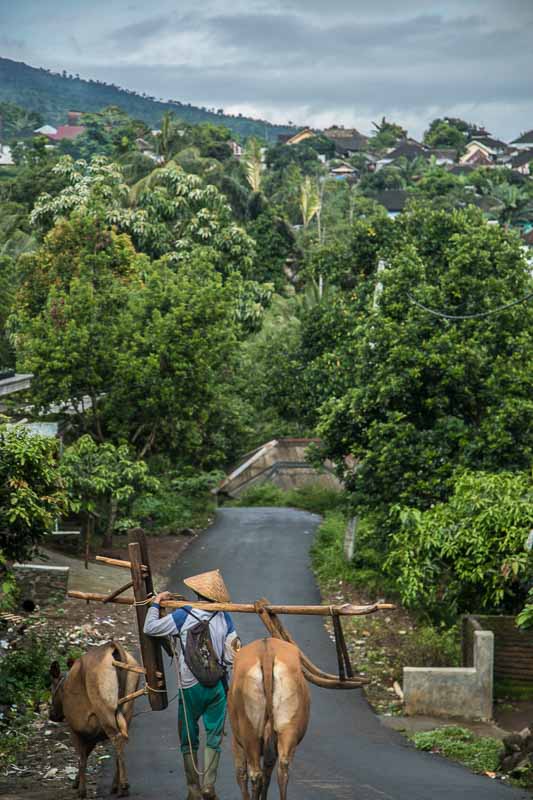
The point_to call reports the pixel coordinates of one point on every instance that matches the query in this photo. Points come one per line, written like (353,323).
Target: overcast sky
(311,61)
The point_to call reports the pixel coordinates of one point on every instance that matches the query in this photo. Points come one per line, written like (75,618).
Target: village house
(524,141)
(343,171)
(485,151)
(45,130)
(407,148)
(296,138)
(236,149)
(393,200)
(6,157)
(348,141)
(521,162)
(69,131)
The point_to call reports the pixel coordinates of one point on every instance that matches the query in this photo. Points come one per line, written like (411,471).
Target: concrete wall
(454,691)
(43,584)
(349,539)
(282,462)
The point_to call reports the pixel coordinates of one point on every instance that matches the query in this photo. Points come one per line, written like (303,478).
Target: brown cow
(86,697)
(268,708)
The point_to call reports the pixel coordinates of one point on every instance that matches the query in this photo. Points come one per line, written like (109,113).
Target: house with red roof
(69,131)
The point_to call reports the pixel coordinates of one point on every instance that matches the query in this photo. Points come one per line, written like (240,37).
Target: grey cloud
(138,32)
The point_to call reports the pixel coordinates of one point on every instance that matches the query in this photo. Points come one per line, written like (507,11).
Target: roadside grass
(313,497)
(381,644)
(478,753)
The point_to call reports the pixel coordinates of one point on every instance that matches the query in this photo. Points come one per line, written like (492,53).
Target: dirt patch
(46,765)
(374,644)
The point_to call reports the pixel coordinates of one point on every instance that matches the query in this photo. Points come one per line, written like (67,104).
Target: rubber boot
(190,762)
(211,761)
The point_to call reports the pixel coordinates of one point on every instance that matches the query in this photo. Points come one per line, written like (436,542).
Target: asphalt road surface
(347,753)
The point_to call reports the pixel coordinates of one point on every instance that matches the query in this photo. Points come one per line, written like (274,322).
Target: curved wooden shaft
(333,682)
(311,672)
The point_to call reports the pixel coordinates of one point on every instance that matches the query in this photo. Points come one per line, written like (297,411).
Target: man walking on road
(206,645)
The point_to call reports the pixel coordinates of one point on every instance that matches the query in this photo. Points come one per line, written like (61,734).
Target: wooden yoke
(152,656)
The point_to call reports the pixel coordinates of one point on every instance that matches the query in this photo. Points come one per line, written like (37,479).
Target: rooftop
(524,138)
(66,132)
(392,199)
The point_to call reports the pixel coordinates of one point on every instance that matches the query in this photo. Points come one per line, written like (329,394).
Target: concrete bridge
(281,462)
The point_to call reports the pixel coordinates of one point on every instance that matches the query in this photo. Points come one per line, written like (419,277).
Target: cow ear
(55,670)
(70,662)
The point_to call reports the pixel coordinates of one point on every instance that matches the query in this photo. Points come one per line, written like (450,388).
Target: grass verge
(478,753)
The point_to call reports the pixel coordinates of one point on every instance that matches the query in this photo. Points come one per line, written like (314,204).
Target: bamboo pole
(345,610)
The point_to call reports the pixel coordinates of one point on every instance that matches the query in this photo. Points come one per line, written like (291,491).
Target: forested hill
(52,95)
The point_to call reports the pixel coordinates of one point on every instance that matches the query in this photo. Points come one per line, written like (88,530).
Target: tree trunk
(108,535)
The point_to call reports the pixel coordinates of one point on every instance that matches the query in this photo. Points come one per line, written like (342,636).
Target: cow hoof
(124,791)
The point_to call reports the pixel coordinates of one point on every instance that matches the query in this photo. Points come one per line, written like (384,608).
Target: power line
(442,315)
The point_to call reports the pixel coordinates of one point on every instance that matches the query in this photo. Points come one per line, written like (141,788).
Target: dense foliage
(31,491)
(178,306)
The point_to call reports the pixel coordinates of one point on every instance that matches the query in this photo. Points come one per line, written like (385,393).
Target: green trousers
(208,704)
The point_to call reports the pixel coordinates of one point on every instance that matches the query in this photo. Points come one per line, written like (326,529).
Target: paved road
(347,754)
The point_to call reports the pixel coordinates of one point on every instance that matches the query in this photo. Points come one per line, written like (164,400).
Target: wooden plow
(151,652)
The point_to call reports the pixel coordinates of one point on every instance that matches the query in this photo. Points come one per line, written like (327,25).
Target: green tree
(386,134)
(177,345)
(31,492)
(443,133)
(420,395)
(102,478)
(68,320)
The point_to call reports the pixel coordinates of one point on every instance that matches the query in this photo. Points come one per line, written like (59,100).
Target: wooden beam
(99,598)
(132,696)
(111,597)
(346,610)
(152,656)
(119,562)
(129,667)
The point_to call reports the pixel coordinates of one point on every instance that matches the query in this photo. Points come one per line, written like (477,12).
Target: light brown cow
(86,697)
(268,706)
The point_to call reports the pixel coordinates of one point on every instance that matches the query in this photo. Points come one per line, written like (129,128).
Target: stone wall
(41,583)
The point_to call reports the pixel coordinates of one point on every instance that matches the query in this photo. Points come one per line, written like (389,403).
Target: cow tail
(267,667)
(120,655)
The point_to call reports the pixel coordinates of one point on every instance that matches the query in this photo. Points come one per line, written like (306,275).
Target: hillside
(52,95)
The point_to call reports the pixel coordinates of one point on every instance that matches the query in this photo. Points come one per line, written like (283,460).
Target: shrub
(427,646)
(182,501)
(467,554)
(311,497)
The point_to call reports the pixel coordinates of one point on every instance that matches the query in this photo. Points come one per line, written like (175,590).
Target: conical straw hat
(210,585)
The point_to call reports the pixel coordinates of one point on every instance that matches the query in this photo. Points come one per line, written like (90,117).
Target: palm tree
(512,199)
(309,200)
(253,164)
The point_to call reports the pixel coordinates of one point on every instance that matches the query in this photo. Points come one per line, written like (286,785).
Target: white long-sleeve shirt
(221,628)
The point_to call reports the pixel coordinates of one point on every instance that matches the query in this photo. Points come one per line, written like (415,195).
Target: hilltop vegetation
(52,95)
